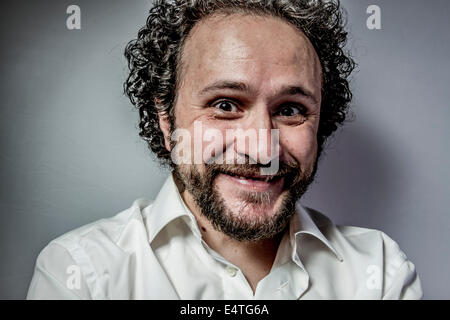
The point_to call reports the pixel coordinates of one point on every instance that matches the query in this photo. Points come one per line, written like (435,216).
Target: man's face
(250,73)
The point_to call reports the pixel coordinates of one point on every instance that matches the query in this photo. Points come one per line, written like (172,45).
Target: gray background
(71,153)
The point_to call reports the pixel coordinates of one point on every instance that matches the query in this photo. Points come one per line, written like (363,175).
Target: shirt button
(231,271)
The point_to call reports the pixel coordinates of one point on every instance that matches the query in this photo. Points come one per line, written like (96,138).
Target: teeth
(265,179)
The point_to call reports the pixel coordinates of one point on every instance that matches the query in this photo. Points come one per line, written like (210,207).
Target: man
(237,97)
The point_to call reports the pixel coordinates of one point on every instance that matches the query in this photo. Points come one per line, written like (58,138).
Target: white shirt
(154,250)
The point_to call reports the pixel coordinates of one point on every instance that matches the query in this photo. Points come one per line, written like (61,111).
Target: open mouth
(253,182)
(261,178)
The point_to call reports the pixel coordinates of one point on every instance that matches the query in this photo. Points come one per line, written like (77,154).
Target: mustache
(291,171)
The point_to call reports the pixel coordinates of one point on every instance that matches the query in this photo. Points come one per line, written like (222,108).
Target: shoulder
(108,230)
(365,240)
(372,252)
(103,247)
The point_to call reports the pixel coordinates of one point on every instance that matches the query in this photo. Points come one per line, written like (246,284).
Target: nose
(258,139)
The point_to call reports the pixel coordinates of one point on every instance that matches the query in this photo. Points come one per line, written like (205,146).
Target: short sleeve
(57,276)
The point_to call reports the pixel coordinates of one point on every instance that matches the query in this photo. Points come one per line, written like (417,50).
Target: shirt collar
(169,205)
(303,223)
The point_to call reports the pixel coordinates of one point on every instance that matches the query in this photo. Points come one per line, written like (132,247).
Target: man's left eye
(290,111)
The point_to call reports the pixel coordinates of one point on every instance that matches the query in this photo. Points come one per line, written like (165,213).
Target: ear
(164,124)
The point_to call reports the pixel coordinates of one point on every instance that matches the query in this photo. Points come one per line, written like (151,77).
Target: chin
(260,208)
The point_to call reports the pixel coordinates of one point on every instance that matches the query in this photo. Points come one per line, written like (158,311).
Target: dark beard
(213,207)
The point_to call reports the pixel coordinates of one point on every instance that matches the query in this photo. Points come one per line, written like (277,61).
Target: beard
(236,226)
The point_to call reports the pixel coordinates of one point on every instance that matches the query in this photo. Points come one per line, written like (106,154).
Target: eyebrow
(243,87)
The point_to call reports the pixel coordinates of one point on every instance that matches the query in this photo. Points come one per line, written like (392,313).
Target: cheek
(206,137)
(214,140)
(184,118)
(299,144)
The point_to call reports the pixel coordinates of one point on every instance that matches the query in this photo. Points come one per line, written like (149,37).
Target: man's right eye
(226,106)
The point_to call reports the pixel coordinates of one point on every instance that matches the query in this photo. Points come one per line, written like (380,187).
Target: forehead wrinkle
(242,51)
(234,39)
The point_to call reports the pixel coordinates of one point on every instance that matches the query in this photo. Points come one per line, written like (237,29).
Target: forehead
(259,50)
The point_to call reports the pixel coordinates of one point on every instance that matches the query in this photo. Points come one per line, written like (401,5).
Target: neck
(253,258)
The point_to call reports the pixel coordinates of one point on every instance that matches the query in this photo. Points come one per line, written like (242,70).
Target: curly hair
(154,58)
